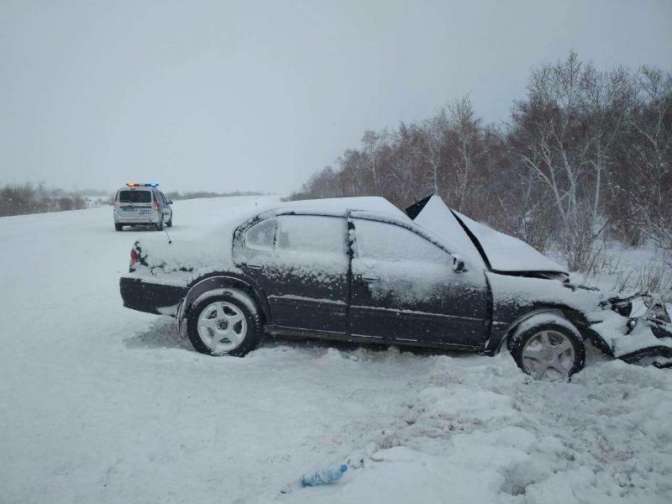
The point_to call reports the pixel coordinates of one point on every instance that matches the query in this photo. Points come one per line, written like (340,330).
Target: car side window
(261,236)
(315,234)
(389,242)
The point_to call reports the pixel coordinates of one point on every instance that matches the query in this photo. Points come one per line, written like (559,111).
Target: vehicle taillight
(155,204)
(135,257)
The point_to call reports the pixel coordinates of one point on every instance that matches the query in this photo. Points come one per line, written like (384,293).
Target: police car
(142,205)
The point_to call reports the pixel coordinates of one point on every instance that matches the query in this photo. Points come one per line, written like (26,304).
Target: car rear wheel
(159,225)
(170,222)
(118,227)
(548,350)
(226,324)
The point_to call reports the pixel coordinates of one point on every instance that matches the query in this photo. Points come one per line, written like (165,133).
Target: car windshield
(135,197)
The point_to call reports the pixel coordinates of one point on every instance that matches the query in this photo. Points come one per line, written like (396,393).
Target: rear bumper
(150,297)
(130,219)
(136,223)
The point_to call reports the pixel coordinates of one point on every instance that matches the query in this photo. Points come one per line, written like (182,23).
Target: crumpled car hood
(501,252)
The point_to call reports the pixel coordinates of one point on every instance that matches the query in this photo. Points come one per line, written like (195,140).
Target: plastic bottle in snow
(324,476)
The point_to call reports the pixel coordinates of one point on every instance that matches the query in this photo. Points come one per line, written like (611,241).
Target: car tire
(170,222)
(159,225)
(118,227)
(548,349)
(226,323)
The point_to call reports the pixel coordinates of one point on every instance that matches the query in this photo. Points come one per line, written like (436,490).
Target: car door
(405,289)
(300,262)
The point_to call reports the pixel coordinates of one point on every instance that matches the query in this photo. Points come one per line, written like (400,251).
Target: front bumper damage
(636,329)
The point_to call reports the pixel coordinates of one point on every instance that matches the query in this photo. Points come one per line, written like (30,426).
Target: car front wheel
(548,348)
(226,324)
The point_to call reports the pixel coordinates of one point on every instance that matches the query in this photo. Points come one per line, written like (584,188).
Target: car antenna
(170,241)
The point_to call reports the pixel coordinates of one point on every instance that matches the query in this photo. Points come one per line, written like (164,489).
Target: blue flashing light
(135,184)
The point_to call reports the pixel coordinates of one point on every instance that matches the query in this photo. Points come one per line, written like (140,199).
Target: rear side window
(135,197)
(289,235)
(261,236)
(312,234)
(388,242)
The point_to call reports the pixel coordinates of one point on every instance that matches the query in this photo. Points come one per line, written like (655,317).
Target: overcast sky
(226,95)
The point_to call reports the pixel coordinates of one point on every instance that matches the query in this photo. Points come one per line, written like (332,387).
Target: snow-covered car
(360,269)
(142,205)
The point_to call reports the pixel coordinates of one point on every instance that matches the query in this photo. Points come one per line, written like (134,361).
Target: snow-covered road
(102,404)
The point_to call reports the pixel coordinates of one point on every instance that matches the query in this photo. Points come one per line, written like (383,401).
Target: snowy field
(100,404)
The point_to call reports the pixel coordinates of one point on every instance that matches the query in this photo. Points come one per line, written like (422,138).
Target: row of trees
(176,195)
(587,154)
(27,198)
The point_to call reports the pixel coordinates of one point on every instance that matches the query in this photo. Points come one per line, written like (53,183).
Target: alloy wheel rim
(222,327)
(548,355)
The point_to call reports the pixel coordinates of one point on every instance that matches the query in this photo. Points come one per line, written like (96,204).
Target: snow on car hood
(504,253)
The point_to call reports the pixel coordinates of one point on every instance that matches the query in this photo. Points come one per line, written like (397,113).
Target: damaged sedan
(361,270)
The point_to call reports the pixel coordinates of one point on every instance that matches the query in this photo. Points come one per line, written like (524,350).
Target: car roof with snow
(340,206)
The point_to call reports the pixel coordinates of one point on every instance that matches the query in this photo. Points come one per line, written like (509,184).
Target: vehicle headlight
(639,308)
(659,312)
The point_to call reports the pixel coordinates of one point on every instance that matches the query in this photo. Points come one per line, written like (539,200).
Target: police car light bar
(135,184)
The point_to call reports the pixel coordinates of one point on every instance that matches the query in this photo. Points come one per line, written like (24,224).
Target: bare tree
(466,146)
(570,122)
(652,155)
(436,133)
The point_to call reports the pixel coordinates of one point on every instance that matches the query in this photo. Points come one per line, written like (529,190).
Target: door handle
(370,279)
(253,266)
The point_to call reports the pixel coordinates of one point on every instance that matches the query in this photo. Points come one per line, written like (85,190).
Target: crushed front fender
(640,333)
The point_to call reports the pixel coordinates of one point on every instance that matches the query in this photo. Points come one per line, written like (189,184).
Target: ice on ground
(103,404)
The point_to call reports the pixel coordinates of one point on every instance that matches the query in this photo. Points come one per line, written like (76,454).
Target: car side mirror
(458,264)
(170,201)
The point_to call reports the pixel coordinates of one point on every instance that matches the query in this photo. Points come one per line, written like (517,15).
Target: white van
(142,205)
